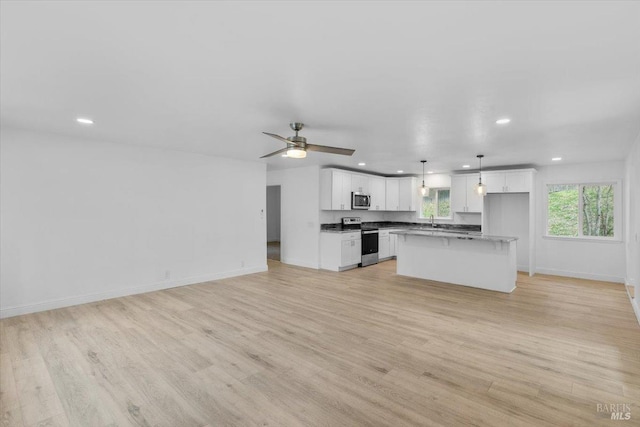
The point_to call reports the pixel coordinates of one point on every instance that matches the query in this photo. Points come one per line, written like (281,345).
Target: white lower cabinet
(340,251)
(393,244)
(383,245)
(387,244)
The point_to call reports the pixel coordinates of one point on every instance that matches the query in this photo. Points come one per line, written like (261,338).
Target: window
(436,203)
(583,210)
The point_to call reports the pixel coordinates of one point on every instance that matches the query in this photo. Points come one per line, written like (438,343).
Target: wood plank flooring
(299,347)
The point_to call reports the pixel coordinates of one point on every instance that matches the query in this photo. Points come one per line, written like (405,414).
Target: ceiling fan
(297,146)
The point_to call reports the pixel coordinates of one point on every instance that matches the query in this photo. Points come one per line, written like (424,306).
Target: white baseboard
(636,309)
(299,263)
(634,301)
(99,296)
(588,276)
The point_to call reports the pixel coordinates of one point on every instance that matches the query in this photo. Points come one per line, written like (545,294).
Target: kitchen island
(477,260)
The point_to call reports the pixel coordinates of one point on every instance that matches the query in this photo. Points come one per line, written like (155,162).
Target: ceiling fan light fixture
(296,153)
(297,145)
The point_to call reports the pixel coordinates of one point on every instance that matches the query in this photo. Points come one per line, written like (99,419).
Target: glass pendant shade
(481,189)
(296,153)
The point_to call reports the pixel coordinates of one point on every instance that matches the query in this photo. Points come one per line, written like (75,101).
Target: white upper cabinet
(401,194)
(494,181)
(517,181)
(407,194)
(393,194)
(378,191)
(464,198)
(335,190)
(359,183)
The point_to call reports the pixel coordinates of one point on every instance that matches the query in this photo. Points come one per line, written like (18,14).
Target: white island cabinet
(480,261)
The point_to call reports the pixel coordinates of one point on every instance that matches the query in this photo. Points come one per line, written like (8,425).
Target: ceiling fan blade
(273,135)
(332,150)
(283,150)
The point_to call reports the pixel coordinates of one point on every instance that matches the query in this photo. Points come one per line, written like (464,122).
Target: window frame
(437,189)
(617,211)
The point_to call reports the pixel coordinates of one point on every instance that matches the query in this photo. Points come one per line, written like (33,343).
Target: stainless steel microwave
(360,201)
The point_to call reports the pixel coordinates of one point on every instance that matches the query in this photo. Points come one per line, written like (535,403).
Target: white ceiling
(396,81)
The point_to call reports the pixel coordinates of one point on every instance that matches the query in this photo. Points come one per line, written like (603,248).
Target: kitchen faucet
(431,219)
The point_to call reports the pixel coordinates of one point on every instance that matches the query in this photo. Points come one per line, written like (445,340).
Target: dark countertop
(337,227)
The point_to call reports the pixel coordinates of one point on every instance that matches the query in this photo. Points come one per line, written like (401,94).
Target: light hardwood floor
(299,347)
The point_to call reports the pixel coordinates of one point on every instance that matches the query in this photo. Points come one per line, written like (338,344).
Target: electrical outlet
(242,263)
(167,274)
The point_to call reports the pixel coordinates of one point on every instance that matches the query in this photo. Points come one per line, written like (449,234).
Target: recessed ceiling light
(503,121)
(400,171)
(362,164)
(466,166)
(429,172)
(84,121)
(556,159)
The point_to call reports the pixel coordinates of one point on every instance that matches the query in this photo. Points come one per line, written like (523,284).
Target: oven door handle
(370,232)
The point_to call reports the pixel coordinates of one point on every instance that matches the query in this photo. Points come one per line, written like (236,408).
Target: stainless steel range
(369,246)
(369,239)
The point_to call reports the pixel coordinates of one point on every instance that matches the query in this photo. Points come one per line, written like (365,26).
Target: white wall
(632,214)
(578,258)
(300,212)
(273,213)
(83,221)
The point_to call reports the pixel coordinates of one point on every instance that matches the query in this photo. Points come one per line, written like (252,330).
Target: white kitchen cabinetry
(340,251)
(335,190)
(401,194)
(378,191)
(393,244)
(517,181)
(464,198)
(407,191)
(359,183)
(393,194)
(384,249)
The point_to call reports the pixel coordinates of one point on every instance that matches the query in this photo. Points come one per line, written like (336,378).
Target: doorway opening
(273,222)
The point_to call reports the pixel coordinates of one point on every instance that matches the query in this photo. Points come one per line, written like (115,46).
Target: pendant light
(424,189)
(481,189)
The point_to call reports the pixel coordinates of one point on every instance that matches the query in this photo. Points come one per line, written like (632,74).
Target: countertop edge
(455,235)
